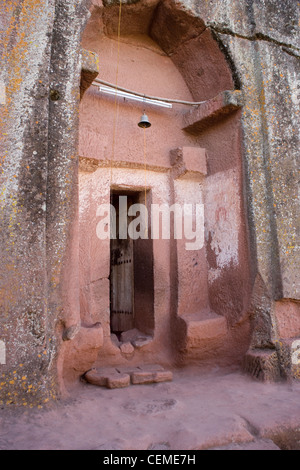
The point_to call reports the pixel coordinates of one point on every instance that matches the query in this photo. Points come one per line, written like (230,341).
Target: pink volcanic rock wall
(190,282)
(214,46)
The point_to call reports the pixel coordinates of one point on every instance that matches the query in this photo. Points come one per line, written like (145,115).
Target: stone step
(120,377)
(136,338)
(109,378)
(149,377)
(201,333)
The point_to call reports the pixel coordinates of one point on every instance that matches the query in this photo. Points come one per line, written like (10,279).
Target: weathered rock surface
(38,147)
(40,49)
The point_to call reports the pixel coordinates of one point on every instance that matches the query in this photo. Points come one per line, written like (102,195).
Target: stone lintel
(211,111)
(89,70)
(188,162)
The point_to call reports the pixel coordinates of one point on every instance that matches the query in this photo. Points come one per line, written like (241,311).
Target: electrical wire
(98,81)
(116,108)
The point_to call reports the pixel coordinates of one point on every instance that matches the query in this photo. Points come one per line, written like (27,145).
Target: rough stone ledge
(200,333)
(89,70)
(210,112)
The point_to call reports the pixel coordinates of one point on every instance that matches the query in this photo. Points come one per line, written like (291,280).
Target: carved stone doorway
(131,271)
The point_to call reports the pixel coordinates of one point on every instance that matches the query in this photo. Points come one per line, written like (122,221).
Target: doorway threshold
(129,341)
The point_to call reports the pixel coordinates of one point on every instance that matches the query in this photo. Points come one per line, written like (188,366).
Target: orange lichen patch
(16,57)
(14,390)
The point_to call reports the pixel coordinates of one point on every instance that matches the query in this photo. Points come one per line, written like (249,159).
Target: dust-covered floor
(197,410)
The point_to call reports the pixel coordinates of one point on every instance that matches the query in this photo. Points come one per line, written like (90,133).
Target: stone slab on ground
(151,376)
(142,377)
(163,376)
(107,377)
(98,376)
(118,380)
(122,376)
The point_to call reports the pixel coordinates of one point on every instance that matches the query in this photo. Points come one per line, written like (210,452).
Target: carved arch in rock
(189,45)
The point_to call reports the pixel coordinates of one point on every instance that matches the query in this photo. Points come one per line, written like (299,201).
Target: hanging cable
(98,82)
(116,106)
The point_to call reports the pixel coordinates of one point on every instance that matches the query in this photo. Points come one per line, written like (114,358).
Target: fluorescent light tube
(123,94)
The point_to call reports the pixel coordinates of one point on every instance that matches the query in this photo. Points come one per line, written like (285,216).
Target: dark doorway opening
(131,268)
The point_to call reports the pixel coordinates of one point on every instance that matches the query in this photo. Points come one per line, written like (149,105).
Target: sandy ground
(198,410)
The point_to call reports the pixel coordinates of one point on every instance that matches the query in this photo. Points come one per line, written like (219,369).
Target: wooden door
(121,282)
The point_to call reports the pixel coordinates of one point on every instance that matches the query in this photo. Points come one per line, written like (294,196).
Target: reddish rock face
(56,279)
(288,319)
(198,166)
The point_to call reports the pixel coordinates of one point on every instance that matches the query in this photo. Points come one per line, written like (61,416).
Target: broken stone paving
(121,377)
